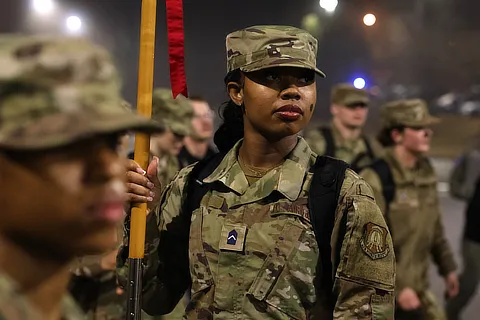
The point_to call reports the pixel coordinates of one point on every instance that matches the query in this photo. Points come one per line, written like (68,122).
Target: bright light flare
(328,5)
(369,19)
(359,83)
(74,23)
(43,6)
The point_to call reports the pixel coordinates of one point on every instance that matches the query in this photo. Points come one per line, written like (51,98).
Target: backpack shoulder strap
(354,165)
(329,142)
(368,146)
(195,189)
(382,169)
(324,193)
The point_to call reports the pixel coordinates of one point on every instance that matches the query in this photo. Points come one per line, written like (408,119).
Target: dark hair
(231,129)
(385,136)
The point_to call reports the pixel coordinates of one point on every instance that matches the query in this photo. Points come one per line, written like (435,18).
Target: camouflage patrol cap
(261,47)
(410,113)
(174,114)
(56,90)
(347,95)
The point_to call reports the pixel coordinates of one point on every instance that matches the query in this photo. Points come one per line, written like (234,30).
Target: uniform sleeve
(365,277)
(441,251)
(316,141)
(166,274)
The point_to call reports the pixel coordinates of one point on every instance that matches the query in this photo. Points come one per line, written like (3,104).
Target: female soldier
(404,184)
(63,188)
(252,250)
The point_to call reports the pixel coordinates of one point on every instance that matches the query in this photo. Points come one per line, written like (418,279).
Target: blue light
(359,83)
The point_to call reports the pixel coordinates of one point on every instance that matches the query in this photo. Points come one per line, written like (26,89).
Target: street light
(359,83)
(74,24)
(369,19)
(43,6)
(328,5)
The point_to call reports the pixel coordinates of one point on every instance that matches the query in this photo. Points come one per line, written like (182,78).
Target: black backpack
(382,169)
(327,180)
(330,149)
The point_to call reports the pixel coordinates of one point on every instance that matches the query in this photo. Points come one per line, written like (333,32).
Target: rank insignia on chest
(233,237)
(374,241)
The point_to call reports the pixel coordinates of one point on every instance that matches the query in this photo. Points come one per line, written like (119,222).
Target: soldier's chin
(94,244)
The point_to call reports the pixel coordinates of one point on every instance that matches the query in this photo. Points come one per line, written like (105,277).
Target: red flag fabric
(176,52)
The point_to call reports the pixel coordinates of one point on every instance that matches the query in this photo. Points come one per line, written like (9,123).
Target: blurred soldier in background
(63,186)
(465,185)
(198,145)
(176,117)
(343,139)
(405,188)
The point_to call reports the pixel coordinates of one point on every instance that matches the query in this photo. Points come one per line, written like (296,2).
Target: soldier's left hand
(452,284)
(143,186)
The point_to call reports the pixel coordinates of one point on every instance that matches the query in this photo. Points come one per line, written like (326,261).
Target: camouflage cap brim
(430,120)
(273,62)
(58,130)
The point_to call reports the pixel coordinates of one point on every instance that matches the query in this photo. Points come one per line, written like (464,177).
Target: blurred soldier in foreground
(465,185)
(343,139)
(405,188)
(94,282)
(197,144)
(63,189)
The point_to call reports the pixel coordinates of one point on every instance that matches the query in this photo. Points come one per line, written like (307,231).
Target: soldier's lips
(289,112)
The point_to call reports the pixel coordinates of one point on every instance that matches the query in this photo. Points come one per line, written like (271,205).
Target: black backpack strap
(324,193)
(329,142)
(368,153)
(195,189)
(382,169)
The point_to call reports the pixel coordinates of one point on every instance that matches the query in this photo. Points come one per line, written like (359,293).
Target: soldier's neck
(42,281)
(406,158)
(197,148)
(259,152)
(347,133)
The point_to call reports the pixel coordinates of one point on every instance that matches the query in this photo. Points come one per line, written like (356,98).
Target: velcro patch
(374,241)
(297,209)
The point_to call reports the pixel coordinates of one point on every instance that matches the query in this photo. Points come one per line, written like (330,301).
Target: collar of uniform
(341,142)
(288,179)
(9,291)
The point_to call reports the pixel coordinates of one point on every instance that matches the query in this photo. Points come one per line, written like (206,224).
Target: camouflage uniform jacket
(268,271)
(345,150)
(415,221)
(15,306)
(168,167)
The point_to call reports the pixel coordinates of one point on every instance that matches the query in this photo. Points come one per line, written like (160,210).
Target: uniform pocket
(285,281)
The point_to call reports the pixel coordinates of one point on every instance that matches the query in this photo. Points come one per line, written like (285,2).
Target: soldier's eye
(307,78)
(272,76)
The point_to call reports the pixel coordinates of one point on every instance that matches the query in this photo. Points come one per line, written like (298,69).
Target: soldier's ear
(333,109)
(397,136)
(235,91)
